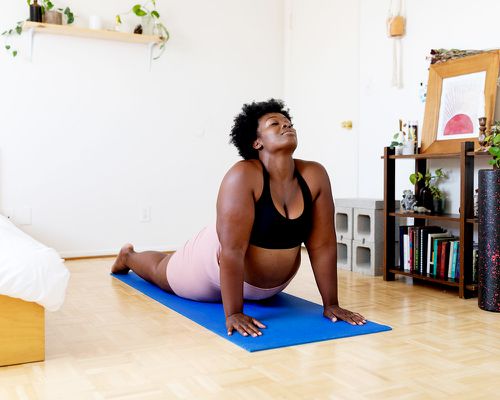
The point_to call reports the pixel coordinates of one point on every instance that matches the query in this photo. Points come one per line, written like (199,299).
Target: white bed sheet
(29,270)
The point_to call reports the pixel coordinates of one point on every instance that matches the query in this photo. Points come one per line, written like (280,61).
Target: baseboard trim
(87,255)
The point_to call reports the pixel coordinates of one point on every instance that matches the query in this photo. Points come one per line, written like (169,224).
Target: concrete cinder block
(343,222)
(367,257)
(344,254)
(368,225)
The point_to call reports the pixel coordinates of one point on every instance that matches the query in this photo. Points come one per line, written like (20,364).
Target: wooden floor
(111,342)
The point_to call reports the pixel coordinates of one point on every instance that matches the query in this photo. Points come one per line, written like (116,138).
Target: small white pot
(398,150)
(409,147)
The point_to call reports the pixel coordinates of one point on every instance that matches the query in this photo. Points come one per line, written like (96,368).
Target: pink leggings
(193,271)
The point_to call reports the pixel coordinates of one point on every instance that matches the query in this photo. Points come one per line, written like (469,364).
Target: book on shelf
(452,266)
(425,231)
(429,250)
(438,267)
(404,252)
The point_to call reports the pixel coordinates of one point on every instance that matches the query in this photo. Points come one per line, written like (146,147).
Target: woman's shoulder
(309,167)
(244,172)
(315,175)
(245,168)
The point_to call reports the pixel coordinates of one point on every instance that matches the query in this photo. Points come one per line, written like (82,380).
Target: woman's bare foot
(120,265)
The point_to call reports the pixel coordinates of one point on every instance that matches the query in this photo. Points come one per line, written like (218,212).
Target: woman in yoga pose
(268,205)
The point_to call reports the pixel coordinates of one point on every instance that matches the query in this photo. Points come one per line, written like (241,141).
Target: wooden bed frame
(22,331)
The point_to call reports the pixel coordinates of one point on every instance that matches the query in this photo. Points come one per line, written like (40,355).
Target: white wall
(89,136)
(322,85)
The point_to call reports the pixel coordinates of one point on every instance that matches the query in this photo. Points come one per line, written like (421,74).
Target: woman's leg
(149,265)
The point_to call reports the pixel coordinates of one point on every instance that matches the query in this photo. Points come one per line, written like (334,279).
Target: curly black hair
(244,131)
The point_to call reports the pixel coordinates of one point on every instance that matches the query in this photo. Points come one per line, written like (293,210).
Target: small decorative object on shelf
(35,11)
(413,135)
(398,140)
(95,22)
(482,134)
(421,210)
(408,201)
(53,17)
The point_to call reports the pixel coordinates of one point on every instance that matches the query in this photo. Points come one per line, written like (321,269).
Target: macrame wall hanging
(396,23)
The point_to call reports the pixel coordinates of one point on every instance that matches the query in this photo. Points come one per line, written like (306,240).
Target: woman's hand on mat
(333,313)
(244,324)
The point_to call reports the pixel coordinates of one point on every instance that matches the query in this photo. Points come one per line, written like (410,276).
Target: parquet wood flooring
(110,342)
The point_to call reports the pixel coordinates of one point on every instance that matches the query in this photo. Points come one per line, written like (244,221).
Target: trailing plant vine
(149,9)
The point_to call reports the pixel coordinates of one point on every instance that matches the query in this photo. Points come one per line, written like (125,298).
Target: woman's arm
(322,247)
(235,216)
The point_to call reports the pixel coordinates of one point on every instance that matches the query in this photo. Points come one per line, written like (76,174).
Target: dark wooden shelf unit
(466,220)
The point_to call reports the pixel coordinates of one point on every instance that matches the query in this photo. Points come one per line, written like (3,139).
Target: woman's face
(275,131)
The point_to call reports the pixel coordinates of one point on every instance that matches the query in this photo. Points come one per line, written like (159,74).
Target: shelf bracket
(31,34)
(150,54)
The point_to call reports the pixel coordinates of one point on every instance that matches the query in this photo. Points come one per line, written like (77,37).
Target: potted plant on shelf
(151,23)
(54,16)
(430,196)
(397,143)
(488,223)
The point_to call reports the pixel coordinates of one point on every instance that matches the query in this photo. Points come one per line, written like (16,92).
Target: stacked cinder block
(360,226)
(343,227)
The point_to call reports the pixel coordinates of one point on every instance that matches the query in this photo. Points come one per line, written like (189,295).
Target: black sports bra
(271,230)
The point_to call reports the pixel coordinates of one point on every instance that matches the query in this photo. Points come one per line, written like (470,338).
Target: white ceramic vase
(409,147)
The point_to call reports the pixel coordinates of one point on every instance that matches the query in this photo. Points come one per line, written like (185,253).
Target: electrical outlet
(145,215)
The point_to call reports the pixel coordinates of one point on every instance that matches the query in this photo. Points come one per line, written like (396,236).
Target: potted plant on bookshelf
(430,196)
(488,223)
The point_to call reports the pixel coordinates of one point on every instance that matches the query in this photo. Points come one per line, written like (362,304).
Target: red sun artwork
(458,124)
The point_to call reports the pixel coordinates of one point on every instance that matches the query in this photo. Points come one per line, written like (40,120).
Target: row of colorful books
(431,250)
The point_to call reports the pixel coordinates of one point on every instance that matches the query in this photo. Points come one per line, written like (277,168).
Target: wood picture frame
(453,86)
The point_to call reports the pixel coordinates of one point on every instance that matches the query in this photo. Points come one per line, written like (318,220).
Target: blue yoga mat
(290,320)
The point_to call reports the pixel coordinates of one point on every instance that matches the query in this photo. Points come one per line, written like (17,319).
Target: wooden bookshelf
(69,30)
(465,220)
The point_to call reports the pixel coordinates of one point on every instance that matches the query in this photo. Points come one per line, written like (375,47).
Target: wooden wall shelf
(68,30)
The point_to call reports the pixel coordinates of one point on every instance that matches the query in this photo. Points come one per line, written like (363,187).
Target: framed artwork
(459,92)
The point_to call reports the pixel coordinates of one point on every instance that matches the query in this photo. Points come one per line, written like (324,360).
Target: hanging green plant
(143,11)
(17,30)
